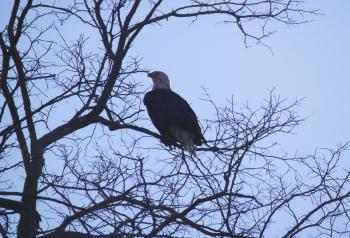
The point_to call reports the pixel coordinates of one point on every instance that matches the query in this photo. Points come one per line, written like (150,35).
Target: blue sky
(310,61)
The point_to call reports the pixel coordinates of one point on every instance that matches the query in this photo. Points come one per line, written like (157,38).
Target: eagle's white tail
(185,138)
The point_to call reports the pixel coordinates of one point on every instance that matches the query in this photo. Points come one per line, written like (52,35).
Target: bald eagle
(172,115)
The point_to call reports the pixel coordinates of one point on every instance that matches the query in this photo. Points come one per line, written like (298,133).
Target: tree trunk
(29,219)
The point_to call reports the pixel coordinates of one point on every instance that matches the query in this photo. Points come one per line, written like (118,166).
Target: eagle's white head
(160,80)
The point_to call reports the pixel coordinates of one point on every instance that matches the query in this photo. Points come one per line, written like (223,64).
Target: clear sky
(310,61)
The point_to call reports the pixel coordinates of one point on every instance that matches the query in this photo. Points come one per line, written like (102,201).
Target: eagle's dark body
(167,111)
